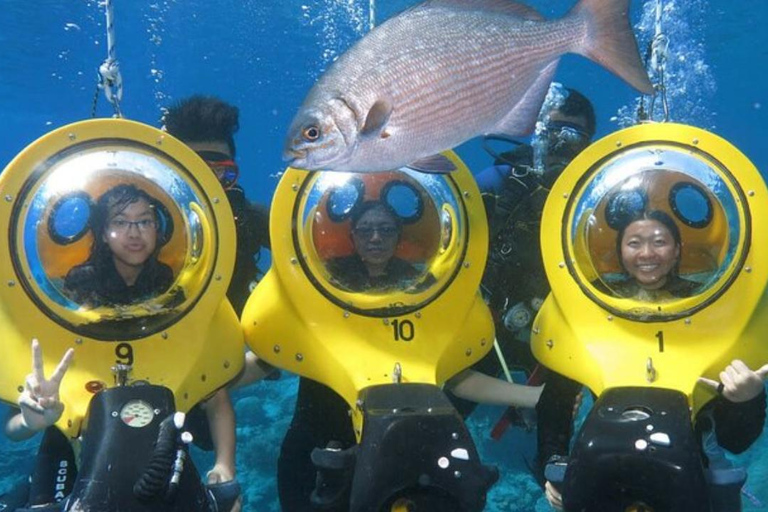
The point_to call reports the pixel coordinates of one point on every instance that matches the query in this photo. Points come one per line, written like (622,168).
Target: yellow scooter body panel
(306,317)
(187,338)
(590,332)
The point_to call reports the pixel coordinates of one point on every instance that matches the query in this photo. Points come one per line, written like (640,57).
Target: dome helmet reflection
(402,196)
(648,246)
(375,231)
(115,201)
(682,204)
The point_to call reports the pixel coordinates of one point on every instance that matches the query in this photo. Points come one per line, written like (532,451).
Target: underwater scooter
(641,350)
(138,365)
(384,342)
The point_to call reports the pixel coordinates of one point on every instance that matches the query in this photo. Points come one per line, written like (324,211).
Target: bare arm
(16,430)
(255,369)
(481,388)
(221,421)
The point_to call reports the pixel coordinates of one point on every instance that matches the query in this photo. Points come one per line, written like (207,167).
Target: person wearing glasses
(123,267)
(375,234)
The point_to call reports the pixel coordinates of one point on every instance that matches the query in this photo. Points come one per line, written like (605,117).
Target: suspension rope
(656,60)
(109,72)
(371,14)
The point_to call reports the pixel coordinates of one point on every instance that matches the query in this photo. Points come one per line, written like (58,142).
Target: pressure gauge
(137,413)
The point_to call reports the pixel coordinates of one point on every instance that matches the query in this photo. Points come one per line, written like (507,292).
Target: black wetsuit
(54,475)
(96,285)
(736,425)
(252,228)
(351,273)
(676,287)
(321,416)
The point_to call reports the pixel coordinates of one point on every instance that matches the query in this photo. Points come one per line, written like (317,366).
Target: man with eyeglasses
(515,189)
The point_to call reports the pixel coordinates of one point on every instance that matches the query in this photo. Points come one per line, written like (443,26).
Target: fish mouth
(289,155)
(295,158)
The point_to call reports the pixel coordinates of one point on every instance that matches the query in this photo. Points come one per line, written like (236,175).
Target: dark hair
(203,119)
(367,206)
(577,105)
(117,198)
(659,216)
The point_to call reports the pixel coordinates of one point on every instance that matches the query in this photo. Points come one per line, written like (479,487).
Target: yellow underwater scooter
(642,354)
(386,344)
(135,362)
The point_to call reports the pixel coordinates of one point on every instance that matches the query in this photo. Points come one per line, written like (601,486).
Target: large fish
(445,71)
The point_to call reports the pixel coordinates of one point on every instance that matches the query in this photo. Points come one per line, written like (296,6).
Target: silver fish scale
(452,75)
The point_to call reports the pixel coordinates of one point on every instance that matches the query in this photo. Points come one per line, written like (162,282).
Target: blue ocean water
(264,56)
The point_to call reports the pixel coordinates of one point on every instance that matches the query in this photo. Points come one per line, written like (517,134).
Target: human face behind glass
(375,237)
(649,253)
(131,234)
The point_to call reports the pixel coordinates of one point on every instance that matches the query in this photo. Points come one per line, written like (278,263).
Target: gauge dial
(137,413)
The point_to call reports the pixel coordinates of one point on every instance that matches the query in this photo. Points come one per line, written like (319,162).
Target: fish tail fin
(610,42)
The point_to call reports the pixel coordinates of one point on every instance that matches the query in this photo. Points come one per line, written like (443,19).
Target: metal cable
(656,59)
(371,14)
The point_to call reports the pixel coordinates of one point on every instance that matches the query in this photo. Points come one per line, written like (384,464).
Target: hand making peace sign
(39,402)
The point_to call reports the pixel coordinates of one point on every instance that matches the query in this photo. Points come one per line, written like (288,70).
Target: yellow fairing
(605,339)
(187,338)
(303,319)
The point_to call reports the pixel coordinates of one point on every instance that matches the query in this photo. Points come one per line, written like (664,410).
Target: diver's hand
(554,497)
(39,402)
(738,383)
(221,473)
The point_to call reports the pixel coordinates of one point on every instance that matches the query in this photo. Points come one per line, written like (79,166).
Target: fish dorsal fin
(433,164)
(377,118)
(521,120)
(500,6)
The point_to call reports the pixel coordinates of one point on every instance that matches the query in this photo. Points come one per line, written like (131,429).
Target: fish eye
(311,133)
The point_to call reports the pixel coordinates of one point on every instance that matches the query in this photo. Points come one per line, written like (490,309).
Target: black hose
(153,482)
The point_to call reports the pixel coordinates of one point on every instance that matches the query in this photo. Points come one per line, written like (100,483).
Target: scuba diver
(207,125)
(122,267)
(515,189)
(648,247)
